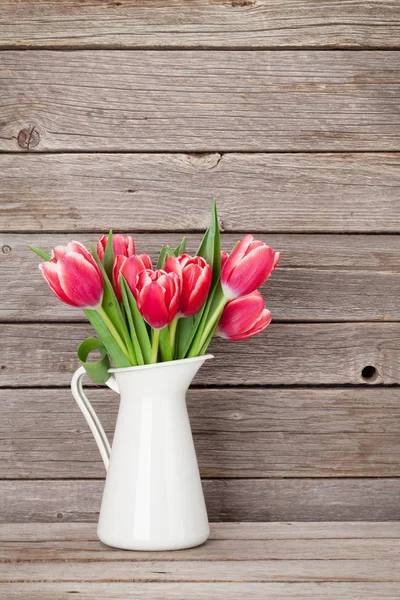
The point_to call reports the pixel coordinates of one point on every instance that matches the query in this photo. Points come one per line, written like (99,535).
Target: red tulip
(74,276)
(244,317)
(157,295)
(224,257)
(129,267)
(121,246)
(249,265)
(196,275)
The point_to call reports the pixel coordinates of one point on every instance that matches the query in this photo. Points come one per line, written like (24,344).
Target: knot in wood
(29,137)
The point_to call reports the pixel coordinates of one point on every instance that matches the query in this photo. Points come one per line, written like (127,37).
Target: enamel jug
(153,497)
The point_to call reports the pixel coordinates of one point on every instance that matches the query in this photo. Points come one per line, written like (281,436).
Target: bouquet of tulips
(144,315)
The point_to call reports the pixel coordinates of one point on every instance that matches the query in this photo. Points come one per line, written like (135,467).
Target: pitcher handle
(88,412)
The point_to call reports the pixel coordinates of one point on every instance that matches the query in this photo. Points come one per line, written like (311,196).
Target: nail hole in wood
(369,373)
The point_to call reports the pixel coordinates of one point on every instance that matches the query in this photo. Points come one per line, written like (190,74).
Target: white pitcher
(153,498)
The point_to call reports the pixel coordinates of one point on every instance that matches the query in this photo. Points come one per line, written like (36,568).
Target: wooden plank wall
(133,116)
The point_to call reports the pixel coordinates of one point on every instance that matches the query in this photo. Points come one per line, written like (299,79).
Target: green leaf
(45,255)
(97,371)
(164,253)
(215,302)
(181,248)
(210,250)
(108,260)
(139,324)
(184,335)
(165,345)
(210,247)
(118,357)
(137,349)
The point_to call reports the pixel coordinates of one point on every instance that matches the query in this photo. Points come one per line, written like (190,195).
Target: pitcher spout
(176,373)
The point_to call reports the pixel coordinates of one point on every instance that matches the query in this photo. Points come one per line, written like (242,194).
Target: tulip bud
(248,267)
(244,317)
(121,246)
(129,267)
(195,274)
(74,276)
(157,295)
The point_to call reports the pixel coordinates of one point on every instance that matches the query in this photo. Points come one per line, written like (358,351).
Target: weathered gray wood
(215,550)
(329,560)
(319,278)
(286,354)
(376,253)
(75,532)
(171,24)
(374,570)
(201,591)
(237,433)
(199,101)
(255,192)
(359,499)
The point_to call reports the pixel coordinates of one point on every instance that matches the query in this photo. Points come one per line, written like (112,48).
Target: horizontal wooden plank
(199,101)
(201,591)
(319,277)
(360,499)
(261,570)
(296,530)
(286,354)
(237,433)
(256,192)
(171,24)
(54,552)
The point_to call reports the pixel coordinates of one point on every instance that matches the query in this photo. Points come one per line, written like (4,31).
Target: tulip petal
(49,271)
(241,313)
(152,305)
(236,256)
(251,272)
(262,323)
(131,267)
(80,280)
(173,265)
(80,249)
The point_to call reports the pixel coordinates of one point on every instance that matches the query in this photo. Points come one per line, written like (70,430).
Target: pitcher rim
(161,364)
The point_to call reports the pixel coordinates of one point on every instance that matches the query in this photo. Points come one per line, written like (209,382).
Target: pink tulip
(74,276)
(157,295)
(244,317)
(121,246)
(129,267)
(195,274)
(248,267)
(224,257)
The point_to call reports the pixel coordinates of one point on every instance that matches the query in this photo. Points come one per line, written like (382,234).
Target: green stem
(102,313)
(154,346)
(172,333)
(213,321)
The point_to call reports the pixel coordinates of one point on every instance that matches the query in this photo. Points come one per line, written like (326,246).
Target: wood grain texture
(286,354)
(201,591)
(85,532)
(173,192)
(360,499)
(296,559)
(374,570)
(53,552)
(199,24)
(199,101)
(237,433)
(319,278)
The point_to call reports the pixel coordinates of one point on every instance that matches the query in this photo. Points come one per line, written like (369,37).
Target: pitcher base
(152,545)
